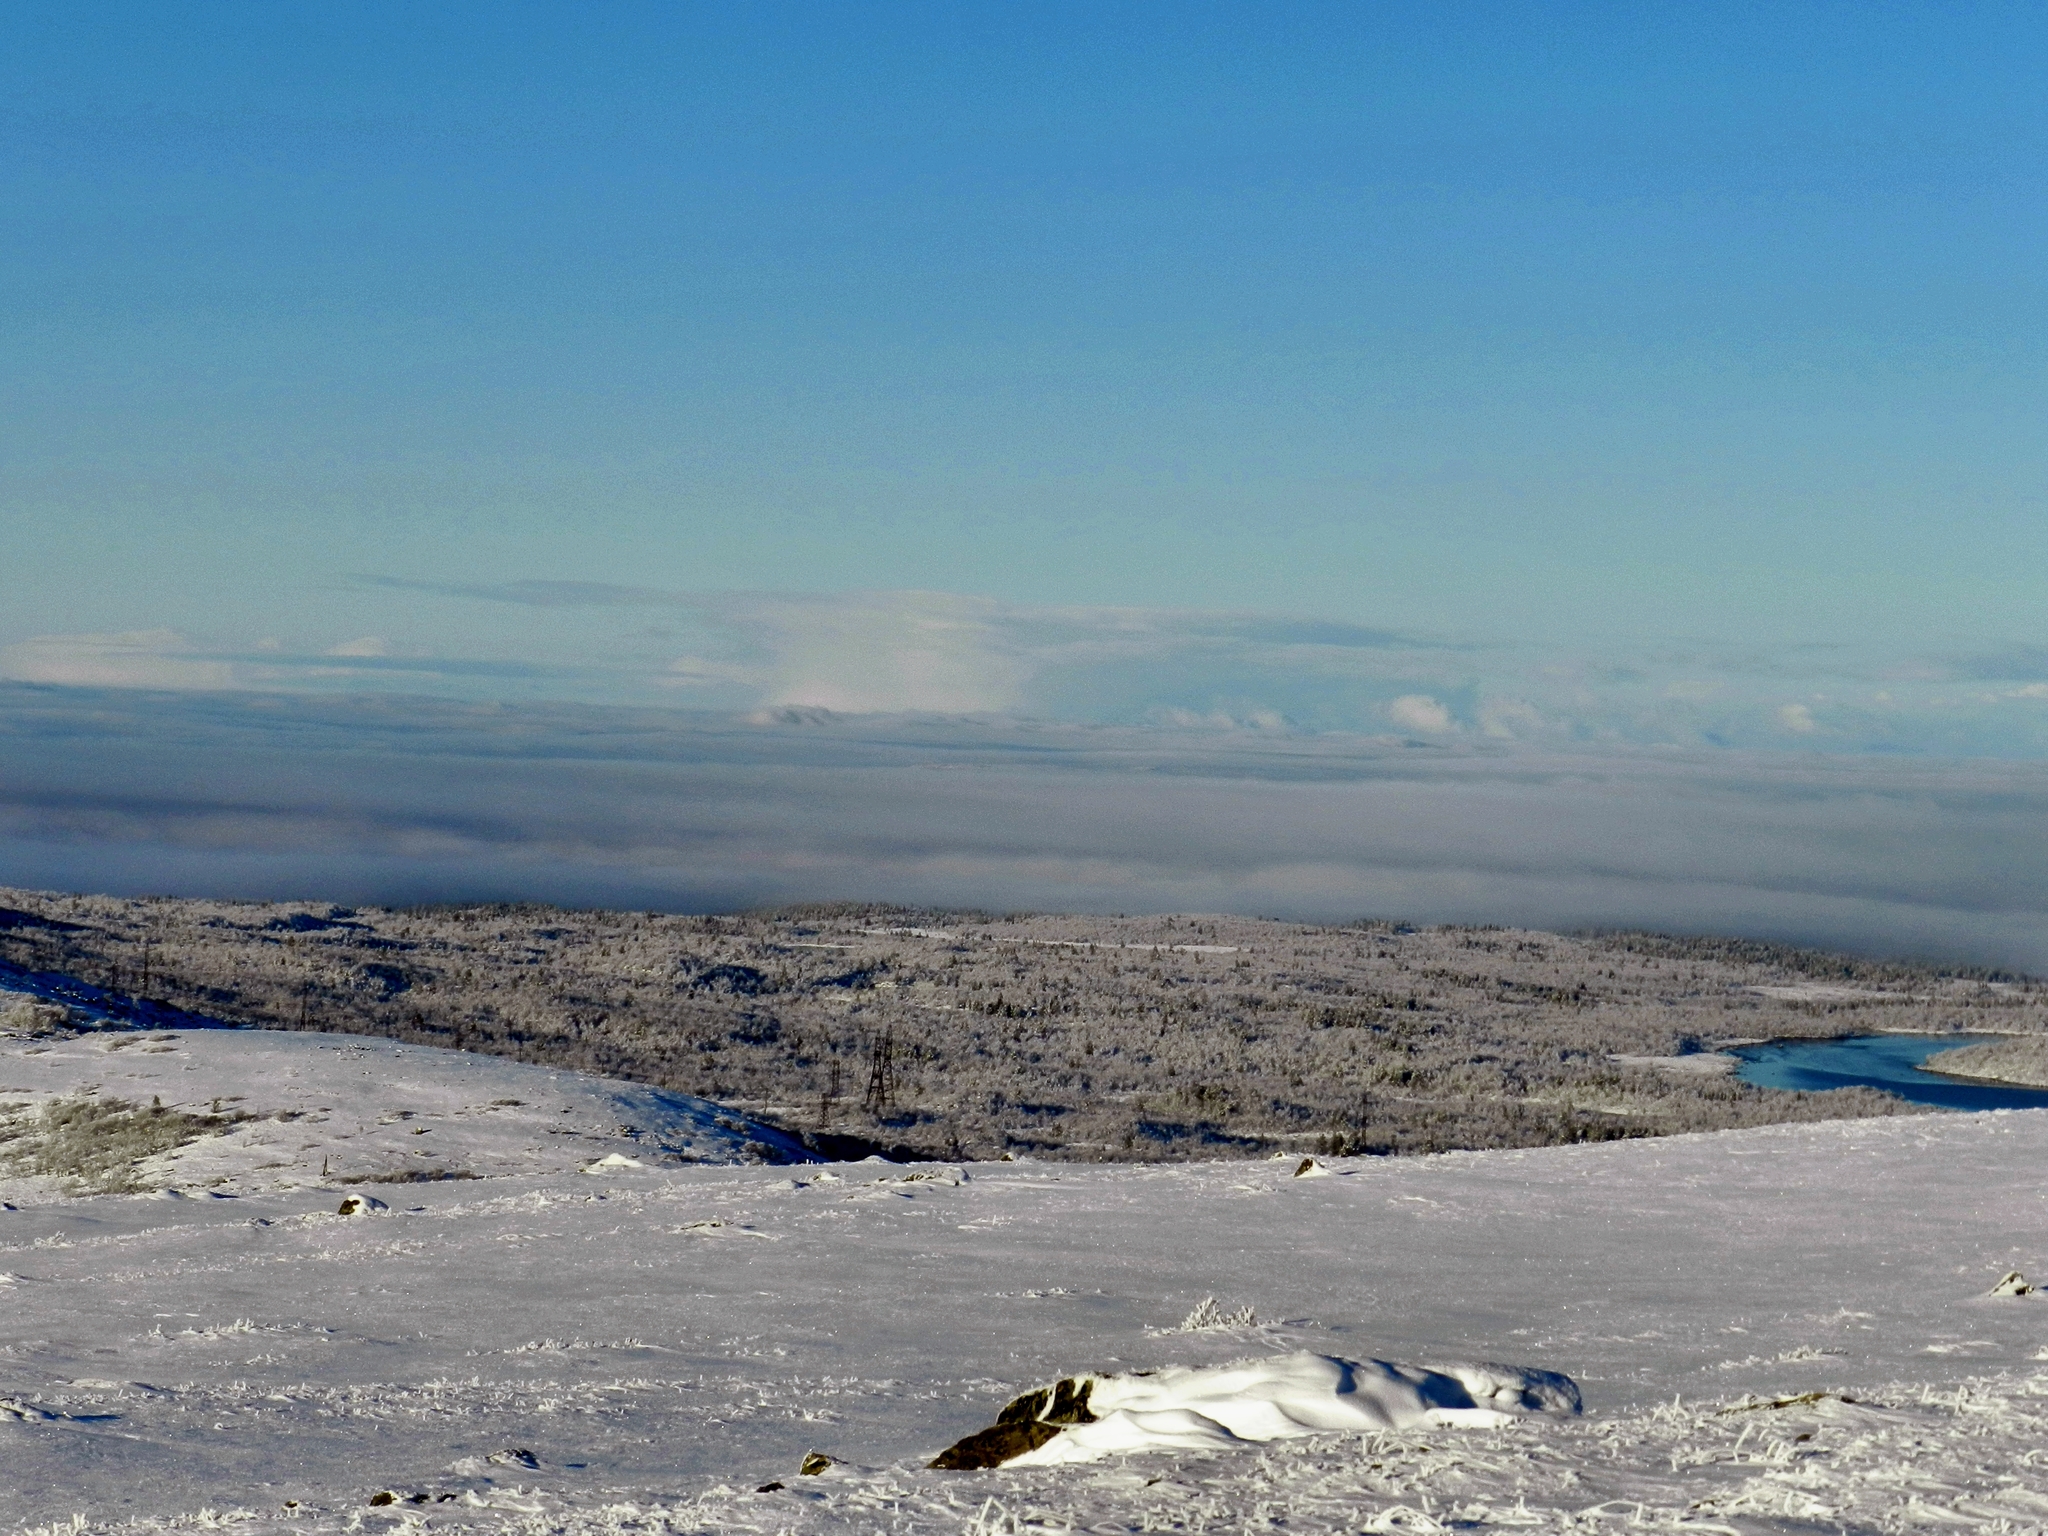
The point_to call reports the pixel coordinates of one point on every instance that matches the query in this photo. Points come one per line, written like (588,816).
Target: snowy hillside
(1768,1327)
(296,1109)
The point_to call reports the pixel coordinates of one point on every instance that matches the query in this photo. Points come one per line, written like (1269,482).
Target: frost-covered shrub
(94,1144)
(1208,1313)
(23,1014)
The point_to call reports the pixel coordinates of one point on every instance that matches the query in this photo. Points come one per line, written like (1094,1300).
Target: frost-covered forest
(2023,1061)
(972,1035)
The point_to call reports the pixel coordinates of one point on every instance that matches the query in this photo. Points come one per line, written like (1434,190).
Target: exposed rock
(993,1446)
(2013,1284)
(1064,1402)
(1025,1424)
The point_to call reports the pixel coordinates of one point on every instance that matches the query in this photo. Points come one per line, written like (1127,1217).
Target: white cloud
(143,658)
(940,652)
(1509,719)
(1217,719)
(894,652)
(890,652)
(1419,712)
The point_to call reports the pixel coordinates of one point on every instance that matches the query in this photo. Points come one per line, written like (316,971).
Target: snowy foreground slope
(640,1349)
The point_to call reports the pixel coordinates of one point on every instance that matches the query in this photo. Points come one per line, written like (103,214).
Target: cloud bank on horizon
(389,798)
(898,652)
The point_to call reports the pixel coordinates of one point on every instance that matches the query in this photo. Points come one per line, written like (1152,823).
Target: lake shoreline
(2016,1061)
(1897,1062)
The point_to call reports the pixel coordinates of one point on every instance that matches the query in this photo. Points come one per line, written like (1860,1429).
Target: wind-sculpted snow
(1284,1397)
(1768,1327)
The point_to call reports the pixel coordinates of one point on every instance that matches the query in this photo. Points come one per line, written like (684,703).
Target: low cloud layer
(639,746)
(368,799)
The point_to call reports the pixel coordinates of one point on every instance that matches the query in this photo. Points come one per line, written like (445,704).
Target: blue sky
(1530,323)
(1500,377)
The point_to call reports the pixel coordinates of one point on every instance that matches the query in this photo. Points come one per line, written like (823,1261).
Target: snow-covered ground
(640,1349)
(328,1108)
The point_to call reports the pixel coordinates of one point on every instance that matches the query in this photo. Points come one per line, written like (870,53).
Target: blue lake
(1890,1062)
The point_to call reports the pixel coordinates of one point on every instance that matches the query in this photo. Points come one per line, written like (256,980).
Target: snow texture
(1784,1329)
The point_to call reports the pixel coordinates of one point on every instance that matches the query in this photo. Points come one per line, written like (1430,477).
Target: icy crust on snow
(1287,1396)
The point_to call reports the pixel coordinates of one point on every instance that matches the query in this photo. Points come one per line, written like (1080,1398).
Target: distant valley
(1097,1038)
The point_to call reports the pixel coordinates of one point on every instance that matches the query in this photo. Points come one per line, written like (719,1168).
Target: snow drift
(1087,1418)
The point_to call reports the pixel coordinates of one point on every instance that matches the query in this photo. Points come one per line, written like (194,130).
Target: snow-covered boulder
(1087,1418)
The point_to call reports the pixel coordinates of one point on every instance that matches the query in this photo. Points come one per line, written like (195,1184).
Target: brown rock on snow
(1025,1424)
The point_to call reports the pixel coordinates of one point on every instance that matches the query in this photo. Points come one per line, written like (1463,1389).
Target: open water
(1890,1062)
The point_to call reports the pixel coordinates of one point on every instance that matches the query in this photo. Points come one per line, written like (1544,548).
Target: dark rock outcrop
(1024,1425)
